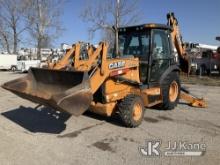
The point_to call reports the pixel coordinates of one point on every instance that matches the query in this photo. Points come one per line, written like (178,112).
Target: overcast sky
(199,19)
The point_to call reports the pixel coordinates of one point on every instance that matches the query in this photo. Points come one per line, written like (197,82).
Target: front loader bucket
(63,90)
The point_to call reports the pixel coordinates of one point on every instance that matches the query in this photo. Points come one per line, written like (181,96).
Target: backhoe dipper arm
(184,60)
(178,43)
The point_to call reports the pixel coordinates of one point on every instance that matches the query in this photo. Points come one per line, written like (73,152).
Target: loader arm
(87,64)
(104,71)
(178,43)
(77,63)
(61,64)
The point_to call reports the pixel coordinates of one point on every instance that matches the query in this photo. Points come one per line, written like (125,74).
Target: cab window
(161,49)
(134,43)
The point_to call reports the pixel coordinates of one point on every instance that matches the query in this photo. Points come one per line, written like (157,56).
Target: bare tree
(11,14)
(43,20)
(108,15)
(4,36)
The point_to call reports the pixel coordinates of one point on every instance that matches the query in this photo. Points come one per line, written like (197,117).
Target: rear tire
(170,91)
(13,68)
(202,70)
(208,72)
(131,110)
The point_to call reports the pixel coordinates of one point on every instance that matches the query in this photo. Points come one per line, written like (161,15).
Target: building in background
(31,53)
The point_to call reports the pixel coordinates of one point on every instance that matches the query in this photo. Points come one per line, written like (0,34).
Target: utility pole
(117,26)
(39,42)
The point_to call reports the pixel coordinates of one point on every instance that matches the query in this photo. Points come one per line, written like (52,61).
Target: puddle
(165,118)
(104,146)
(76,133)
(128,139)
(151,120)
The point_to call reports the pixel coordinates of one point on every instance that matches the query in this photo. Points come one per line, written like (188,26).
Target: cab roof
(145,26)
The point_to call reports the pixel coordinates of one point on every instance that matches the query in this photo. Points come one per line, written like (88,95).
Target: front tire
(170,91)
(131,110)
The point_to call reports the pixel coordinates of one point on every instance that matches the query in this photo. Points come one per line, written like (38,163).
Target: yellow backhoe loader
(144,75)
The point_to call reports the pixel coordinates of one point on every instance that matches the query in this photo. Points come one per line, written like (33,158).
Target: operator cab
(151,43)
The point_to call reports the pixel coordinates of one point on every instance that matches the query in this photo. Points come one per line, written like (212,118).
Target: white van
(24,65)
(8,62)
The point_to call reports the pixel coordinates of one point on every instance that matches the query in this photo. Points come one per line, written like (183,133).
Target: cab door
(137,44)
(161,54)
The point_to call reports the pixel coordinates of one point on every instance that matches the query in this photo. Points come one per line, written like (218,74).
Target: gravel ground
(44,136)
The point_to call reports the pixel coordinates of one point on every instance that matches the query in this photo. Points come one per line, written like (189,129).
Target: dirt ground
(44,136)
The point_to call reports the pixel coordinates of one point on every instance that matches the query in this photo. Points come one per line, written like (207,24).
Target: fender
(168,71)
